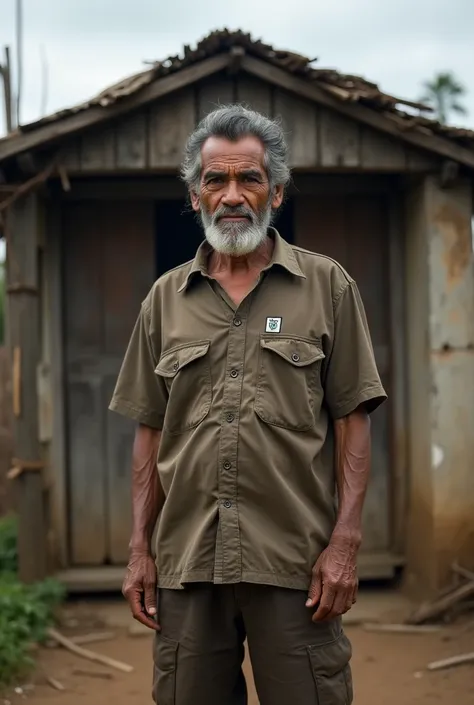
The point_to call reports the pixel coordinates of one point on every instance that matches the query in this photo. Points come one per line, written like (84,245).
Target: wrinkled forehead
(219,152)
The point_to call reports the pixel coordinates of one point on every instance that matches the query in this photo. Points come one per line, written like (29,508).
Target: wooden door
(109,267)
(353,229)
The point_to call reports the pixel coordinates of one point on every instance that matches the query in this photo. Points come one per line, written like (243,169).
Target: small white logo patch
(273,325)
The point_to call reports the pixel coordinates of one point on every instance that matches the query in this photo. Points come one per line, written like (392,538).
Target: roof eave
(438,145)
(53,132)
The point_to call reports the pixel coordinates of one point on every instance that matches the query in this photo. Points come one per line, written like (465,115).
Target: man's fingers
(341,602)
(325,604)
(150,598)
(136,606)
(315,589)
(143,618)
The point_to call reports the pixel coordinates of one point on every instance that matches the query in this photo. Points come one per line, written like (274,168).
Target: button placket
(228,561)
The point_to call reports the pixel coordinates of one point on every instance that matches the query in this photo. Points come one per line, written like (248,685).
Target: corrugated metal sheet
(345,87)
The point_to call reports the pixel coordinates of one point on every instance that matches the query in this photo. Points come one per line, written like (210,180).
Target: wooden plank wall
(319,138)
(23,277)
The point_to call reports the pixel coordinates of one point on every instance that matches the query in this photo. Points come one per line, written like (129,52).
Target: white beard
(239,238)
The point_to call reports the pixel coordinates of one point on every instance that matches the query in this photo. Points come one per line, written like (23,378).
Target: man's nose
(233,195)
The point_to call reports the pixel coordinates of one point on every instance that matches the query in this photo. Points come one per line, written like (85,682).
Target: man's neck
(226,265)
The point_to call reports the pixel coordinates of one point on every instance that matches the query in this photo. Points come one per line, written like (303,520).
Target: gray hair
(234,122)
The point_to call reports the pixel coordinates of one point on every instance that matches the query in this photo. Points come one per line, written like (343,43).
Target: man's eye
(215,180)
(251,179)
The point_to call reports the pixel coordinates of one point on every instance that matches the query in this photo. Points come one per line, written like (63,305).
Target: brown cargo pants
(199,652)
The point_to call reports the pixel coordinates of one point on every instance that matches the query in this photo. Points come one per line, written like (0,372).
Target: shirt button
(227,504)
(295,357)
(175,365)
(237,321)
(227,465)
(234,373)
(229,418)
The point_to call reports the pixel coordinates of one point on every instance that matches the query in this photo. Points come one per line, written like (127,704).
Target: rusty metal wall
(441,381)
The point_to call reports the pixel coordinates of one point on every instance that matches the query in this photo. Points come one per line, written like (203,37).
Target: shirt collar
(283,255)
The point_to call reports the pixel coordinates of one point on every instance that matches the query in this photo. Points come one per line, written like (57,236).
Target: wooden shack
(93,213)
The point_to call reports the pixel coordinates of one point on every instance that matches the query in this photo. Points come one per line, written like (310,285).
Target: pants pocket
(332,672)
(165,658)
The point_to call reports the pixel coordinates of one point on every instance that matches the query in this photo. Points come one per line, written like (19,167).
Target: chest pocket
(187,375)
(289,381)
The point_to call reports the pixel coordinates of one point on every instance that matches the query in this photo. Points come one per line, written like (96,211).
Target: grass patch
(26,611)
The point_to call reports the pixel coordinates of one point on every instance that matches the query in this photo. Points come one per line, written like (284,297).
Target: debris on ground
(450,603)
(451,662)
(87,654)
(82,639)
(402,628)
(54,683)
(92,674)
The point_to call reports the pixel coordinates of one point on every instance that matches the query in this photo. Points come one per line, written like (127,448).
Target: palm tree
(442,93)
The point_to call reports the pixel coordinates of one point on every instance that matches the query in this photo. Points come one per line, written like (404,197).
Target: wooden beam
(300,122)
(171,122)
(95,115)
(307,89)
(133,189)
(23,327)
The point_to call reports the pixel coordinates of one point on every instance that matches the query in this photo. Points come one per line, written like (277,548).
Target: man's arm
(334,583)
(148,498)
(352,462)
(352,390)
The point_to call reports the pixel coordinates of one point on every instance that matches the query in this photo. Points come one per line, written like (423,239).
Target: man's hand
(334,584)
(139,589)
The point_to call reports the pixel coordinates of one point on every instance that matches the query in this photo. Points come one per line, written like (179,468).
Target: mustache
(236,211)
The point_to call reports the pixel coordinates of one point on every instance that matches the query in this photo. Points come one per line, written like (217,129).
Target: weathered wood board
(352,229)
(109,267)
(318,137)
(25,225)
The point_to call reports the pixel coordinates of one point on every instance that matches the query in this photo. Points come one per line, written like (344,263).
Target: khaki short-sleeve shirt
(245,397)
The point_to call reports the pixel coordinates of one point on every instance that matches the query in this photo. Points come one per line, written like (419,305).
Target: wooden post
(5,70)
(440,313)
(23,225)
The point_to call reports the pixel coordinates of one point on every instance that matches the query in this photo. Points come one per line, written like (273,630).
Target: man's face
(235,200)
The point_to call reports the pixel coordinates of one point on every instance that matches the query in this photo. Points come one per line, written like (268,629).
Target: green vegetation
(444,93)
(26,611)
(8,546)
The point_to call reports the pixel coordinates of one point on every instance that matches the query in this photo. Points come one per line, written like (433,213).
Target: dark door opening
(178,233)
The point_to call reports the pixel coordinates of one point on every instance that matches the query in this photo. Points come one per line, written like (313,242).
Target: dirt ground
(389,669)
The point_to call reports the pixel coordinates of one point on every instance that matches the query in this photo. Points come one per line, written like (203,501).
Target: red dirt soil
(388,670)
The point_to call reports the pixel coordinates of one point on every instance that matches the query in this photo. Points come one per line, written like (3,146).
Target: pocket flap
(165,653)
(296,351)
(329,660)
(172,361)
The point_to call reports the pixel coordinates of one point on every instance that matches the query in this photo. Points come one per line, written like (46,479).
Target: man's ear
(277,198)
(195,200)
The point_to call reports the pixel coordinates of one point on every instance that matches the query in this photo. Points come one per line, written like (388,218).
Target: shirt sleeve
(140,394)
(351,377)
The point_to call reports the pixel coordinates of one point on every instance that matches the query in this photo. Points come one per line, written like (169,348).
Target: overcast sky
(90,44)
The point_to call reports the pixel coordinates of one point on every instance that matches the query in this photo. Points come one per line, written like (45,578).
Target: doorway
(178,232)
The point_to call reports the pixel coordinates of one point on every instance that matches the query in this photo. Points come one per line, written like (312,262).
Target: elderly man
(251,375)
